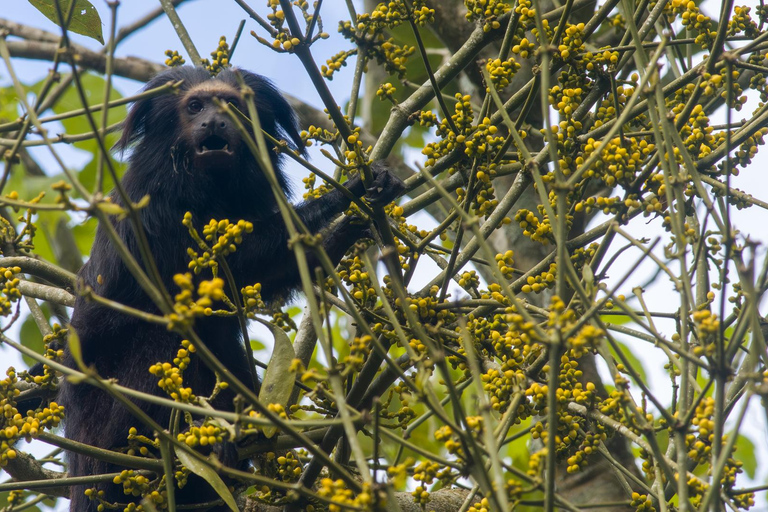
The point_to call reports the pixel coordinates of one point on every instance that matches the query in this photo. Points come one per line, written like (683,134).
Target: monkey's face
(212,139)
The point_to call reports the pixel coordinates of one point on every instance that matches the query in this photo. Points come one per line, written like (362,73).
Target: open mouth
(214,144)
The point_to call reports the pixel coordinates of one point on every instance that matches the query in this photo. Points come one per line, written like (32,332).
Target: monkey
(188,156)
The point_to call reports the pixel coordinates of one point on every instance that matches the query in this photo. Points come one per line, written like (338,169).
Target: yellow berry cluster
(10,293)
(748,149)
(428,118)
(398,473)
(481,506)
(341,494)
(356,153)
(287,468)
(14,499)
(697,134)
(487,11)
(95,495)
(572,42)
(136,484)
(500,385)
(386,92)
(186,308)
(502,72)
(369,30)
(547,30)
(353,273)
(227,236)
(14,426)
(141,445)
(219,57)
(693,19)
(174,59)
(462,120)
(621,160)
(707,330)
(642,503)
(533,228)
(469,280)
(758,82)
(359,350)
(207,434)
(171,379)
(485,139)
(608,205)
(252,298)
(450,440)
(616,401)
(283,320)
(485,201)
(404,414)
(54,343)
(523,48)
(536,463)
(527,15)
(395,12)
(426,307)
(506,264)
(283,40)
(602,60)
(425,472)
(565,98)
(335,63)
(589,446)
(309,185)
(321,135)
(699,442)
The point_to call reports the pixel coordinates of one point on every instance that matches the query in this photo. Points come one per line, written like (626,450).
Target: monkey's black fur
(187,156)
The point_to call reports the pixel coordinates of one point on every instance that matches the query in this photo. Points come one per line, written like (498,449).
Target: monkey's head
(194,132)
(208,133)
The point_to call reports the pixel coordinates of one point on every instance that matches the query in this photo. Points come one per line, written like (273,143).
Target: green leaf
(633,360)
(73,344)
(93,86)
(85,18)
(745,453)
(618,319)
(208,474)
(84,234)
(279,377)
(8,104)
(50,502)
(46,229)
(30,337)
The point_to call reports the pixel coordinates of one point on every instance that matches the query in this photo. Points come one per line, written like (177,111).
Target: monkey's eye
(195,106)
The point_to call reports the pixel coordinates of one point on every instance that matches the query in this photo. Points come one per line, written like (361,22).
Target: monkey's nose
(215,123)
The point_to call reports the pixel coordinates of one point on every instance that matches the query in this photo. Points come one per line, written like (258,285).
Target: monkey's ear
(288,122)
(158,114)
(280,119)
(134,124)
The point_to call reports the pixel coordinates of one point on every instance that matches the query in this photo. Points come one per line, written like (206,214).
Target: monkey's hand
(385,187)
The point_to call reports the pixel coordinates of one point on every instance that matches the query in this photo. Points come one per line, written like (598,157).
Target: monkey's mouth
(214,145)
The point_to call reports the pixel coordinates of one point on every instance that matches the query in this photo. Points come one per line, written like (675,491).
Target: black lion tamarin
(187,156)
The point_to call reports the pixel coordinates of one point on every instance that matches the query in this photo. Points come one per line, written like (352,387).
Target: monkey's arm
(266,258)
